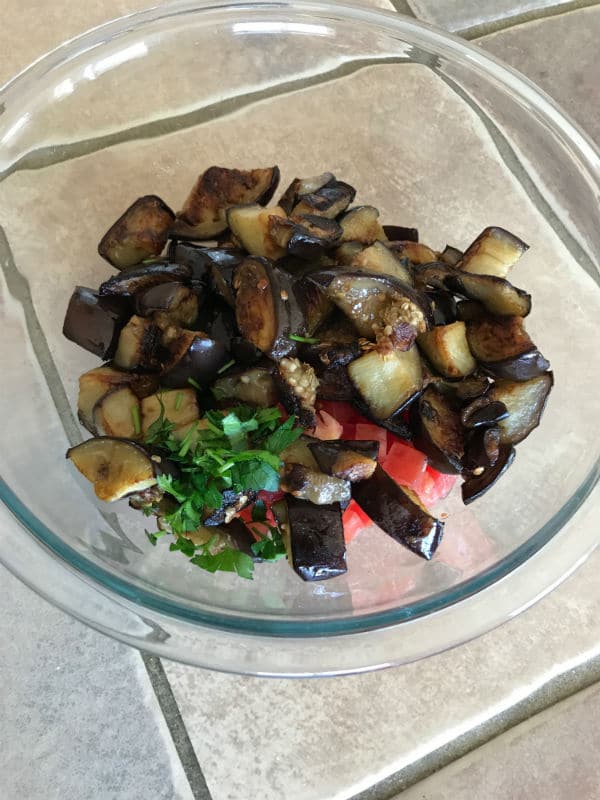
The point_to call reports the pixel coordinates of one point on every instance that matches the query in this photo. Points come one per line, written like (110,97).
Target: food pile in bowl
(286,376)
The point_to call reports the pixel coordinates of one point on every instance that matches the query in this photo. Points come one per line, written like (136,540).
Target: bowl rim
(115,593)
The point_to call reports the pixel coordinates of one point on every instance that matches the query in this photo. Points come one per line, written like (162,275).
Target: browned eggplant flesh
(246,334)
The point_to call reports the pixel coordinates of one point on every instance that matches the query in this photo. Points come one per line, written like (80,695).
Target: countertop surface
(510,715)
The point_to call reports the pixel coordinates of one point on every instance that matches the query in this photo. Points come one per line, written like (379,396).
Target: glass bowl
(430,129)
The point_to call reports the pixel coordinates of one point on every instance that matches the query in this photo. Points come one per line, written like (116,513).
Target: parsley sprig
(221,455)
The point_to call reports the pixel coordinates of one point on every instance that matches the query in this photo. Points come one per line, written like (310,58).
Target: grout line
(177,729)
(505,23)
(403,7)
(55,154)
(551,693)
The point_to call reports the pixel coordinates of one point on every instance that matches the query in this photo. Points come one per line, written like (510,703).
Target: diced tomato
(364,431)
(405,465)
(354,519)
(343,412)
(269,497)
(327,427)
(442,484)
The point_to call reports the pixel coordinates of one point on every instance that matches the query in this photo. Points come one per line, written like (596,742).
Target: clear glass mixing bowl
(431,130)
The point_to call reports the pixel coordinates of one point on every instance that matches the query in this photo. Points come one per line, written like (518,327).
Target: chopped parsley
(223,455)
(303,339)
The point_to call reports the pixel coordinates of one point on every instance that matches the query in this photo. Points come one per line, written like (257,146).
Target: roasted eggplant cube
(96,383)
(179,406)
(379,258)
(117,413)
(316,540)
(204,213)
(361,224)
(140,232)
(494,252)
(447,350)
(95,322)
(372,302)
(328,201)
(233,503)
(350,460)
(251,225)
(314,304)
(174,301)
(139,346)
(398,513)
(255,386)
(387,383)
(525,402)
(202,259)
(483,413)
(300,452)
(451,255)
(476,485)
(438,431)
(443,307)
(503,347)
(397,233)
(302,186)
(482,449)
(497,295)
(193,356)
(135,281)
(415,252)
(116,467)
(263,307)
(314,486)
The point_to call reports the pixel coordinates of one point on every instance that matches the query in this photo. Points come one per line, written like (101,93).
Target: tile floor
(72,703)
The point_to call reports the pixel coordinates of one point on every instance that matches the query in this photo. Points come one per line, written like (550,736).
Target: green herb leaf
(186,546)
(194,383)
(303,339)
(269,548)
(154,537)
(259,511)
(178,399)
(283,436)
(135,418)
(226,366)
(228,560)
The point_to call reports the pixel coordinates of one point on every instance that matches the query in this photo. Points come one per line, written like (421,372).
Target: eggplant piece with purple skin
(380,259)
(475,486)
(140,232)
(314,537)
(396,233)
(399,513)
(193,356)
(415,252)
(95,322)
(217,320)
(497,295)
(117,467)
(176,303)
(140,346)
(96,383)
(306,237)
(443,307)
(266,309)
(387,384)
(482,449)
(328,201)
(131,282)
(525,401)
(438,431)
(447,350)
(204,213)
(316,487)
(233,503)
(315,306)
(347,459)
(239,536)
(244,352)
(255,386)
(202,260)
(503,347)
(303,186)
(483,412)
(494,252)
(361,224)
(451,255)
(372,301)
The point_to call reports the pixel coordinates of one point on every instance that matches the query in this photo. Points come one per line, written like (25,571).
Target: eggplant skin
(95,322)
(316,533)
(504,349)
(525,401)
(140,232)
(131,282)
(438,431)
(395,512)
(195,356)
(477,485)
(396,233)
